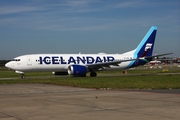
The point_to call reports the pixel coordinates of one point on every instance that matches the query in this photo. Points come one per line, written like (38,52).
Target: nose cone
(8,65)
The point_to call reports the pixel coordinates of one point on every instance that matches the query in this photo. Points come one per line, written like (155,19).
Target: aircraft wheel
(93,74)
(23,76)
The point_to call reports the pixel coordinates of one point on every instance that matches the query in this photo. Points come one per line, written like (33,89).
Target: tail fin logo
(148,46)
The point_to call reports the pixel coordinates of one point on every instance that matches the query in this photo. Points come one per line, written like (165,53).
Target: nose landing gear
(20,72)
(22,76)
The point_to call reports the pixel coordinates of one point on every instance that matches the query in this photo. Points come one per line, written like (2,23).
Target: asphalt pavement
(52,102)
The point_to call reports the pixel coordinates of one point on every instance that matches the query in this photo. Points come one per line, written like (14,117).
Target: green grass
(147,79)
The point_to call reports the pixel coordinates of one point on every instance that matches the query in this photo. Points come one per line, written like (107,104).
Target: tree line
(3,62)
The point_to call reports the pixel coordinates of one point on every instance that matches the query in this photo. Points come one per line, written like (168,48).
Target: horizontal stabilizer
(157,55)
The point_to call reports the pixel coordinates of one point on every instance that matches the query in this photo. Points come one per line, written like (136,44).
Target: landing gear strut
(93,74)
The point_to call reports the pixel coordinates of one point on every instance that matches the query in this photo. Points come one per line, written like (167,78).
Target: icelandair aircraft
(80,64)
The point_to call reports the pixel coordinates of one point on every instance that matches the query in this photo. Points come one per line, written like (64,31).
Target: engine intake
(77,70)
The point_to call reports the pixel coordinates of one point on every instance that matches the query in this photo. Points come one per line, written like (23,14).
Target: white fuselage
(60,62)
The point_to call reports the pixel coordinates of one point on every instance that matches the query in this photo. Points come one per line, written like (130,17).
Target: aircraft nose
(8,65)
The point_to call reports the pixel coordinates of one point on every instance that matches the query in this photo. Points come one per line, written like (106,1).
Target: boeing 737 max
(80,64)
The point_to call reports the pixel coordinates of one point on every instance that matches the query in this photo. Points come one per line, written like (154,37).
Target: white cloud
(17,9)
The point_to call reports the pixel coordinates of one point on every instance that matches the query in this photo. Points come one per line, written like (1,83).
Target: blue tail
(145,48)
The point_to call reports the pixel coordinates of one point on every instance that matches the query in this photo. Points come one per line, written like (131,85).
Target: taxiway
(52,102)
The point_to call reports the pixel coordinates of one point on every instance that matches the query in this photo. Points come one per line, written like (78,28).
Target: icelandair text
(75,60)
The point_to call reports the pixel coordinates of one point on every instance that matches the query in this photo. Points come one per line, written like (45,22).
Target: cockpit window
(16,60)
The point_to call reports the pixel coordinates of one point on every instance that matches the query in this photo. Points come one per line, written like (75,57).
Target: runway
(52,102)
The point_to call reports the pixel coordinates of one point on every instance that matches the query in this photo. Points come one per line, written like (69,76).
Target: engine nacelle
(60,73)
(77,70)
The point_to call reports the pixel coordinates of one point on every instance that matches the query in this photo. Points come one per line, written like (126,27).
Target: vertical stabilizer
(145,48)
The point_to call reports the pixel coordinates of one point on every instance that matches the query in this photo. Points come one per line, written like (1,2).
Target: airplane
(81,64)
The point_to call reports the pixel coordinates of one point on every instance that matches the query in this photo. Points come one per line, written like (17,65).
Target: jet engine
(77,70)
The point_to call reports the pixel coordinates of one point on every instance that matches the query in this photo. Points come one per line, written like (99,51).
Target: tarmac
(52,102)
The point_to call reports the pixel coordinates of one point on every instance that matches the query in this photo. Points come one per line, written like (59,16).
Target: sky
(86,26)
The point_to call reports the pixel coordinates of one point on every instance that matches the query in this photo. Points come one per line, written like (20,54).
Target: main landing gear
(93,74)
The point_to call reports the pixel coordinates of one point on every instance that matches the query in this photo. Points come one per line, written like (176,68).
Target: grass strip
(113,82)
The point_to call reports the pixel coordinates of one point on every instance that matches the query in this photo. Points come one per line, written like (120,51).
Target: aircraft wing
(116,63)
(107,64)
